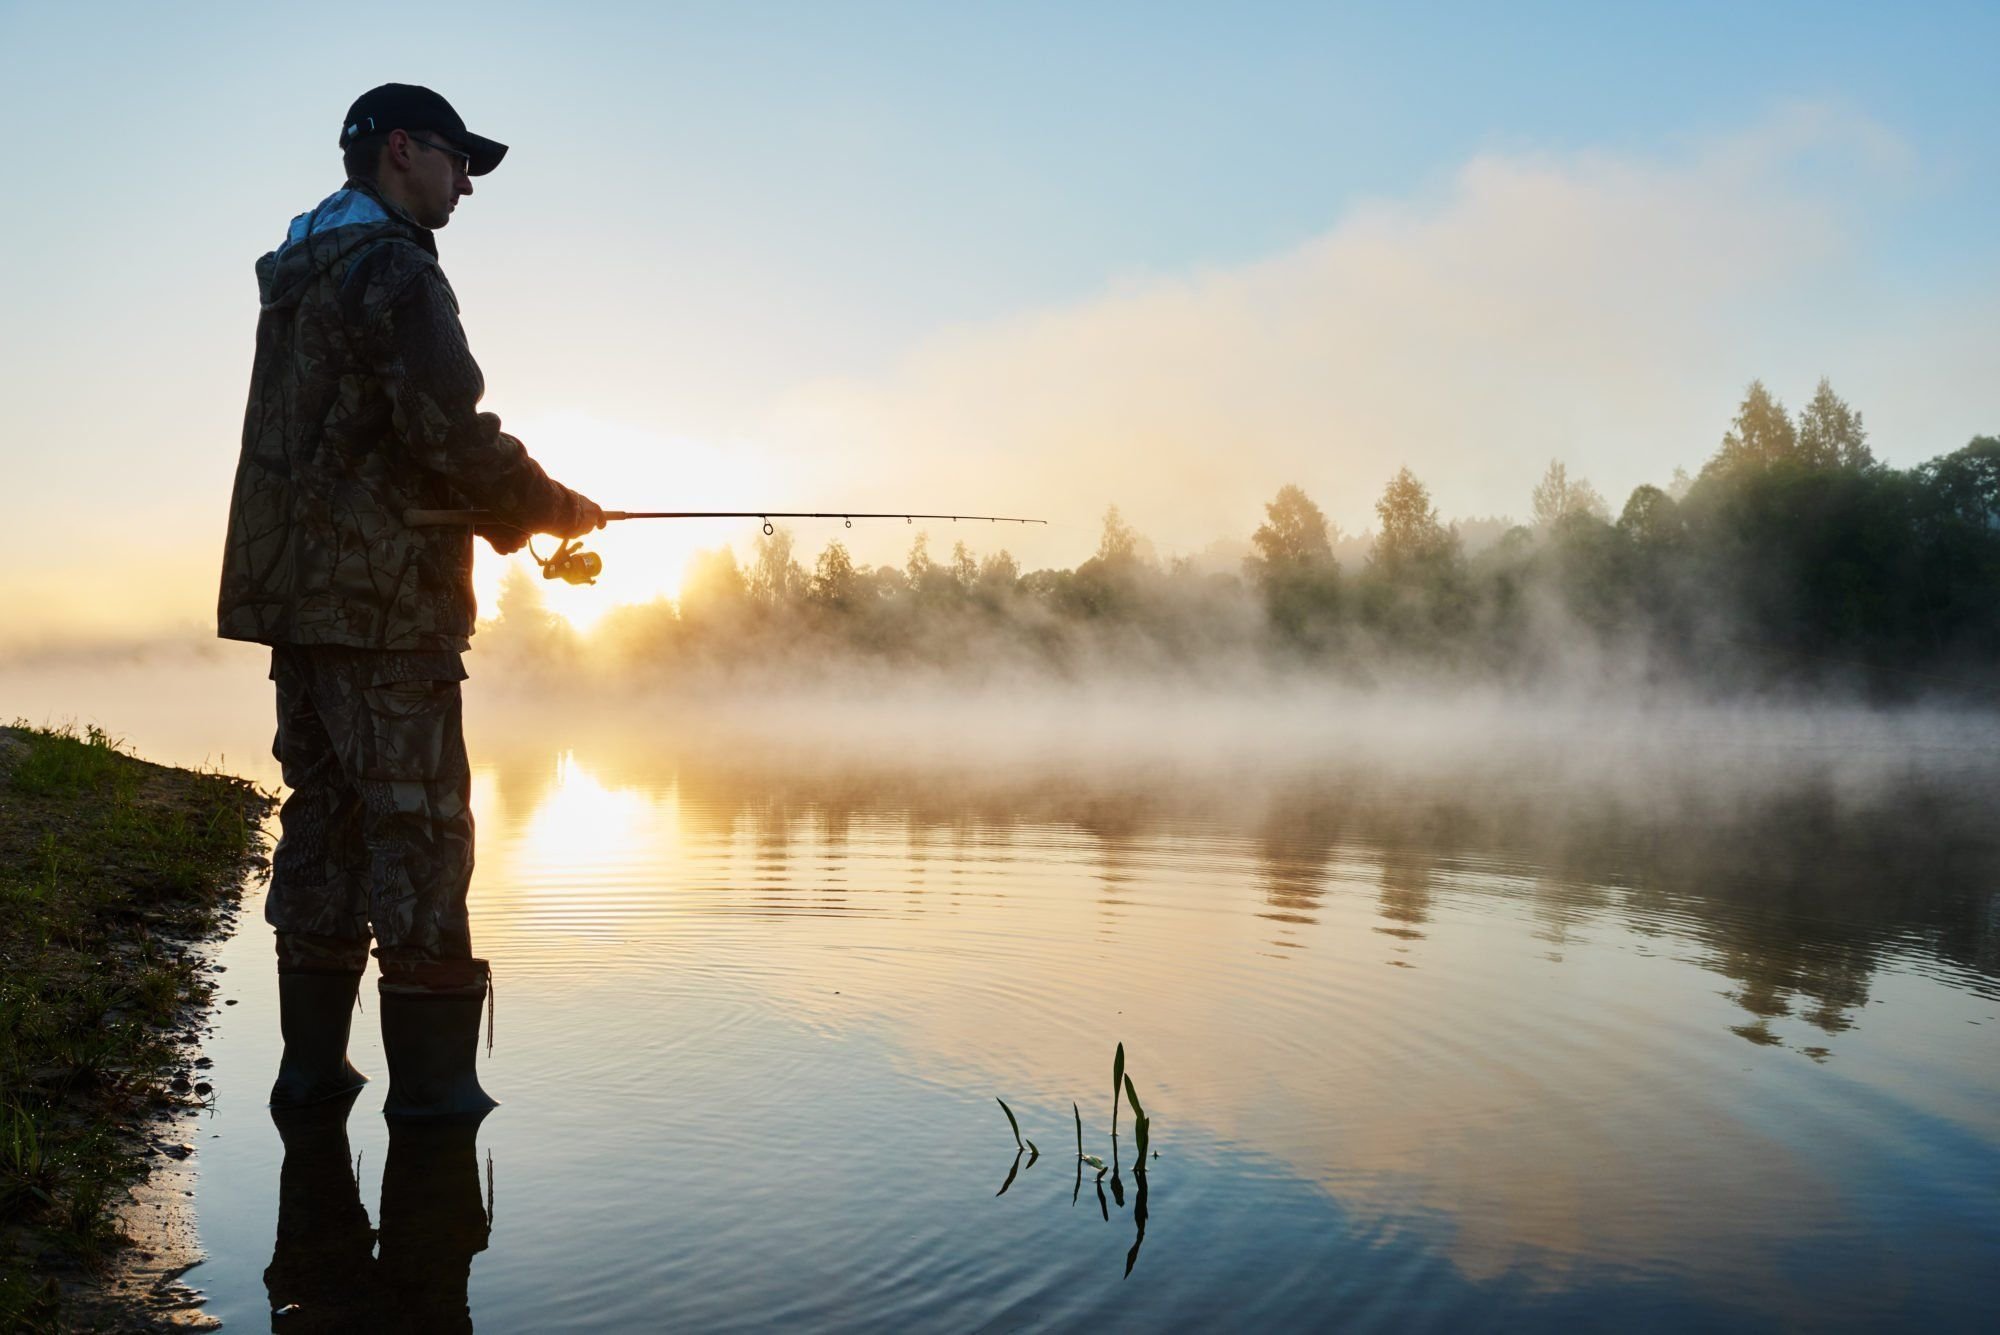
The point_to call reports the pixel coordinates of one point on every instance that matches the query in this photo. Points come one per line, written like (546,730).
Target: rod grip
(435,518)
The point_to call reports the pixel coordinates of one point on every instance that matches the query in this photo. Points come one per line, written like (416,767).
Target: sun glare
(626,467)
(581,824)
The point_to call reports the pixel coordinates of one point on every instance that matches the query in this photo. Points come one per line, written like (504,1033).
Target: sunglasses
(464,161)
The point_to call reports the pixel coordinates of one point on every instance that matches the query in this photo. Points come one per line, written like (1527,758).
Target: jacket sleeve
(435,386)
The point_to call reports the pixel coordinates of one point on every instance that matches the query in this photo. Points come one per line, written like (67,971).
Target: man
(363,404)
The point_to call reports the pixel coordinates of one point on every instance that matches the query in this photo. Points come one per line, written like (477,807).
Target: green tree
(1295,533)
(775,578)
(1830,433)
(1761,435)
(835,582)
(1967,482)
(1294,568)
(964,566)
(1556,497)
(1000,571)
(1410,529)
(1650,516)
(918,564)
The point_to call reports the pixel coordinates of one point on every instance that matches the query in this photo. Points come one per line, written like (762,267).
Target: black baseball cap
(410,107)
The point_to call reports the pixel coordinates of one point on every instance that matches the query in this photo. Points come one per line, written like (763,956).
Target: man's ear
(397,151)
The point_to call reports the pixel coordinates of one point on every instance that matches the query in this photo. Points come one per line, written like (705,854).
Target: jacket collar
(419,233)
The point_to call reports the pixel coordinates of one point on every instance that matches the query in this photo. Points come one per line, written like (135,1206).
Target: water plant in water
(1011,1123)
(1117,1077)
(1121,1084)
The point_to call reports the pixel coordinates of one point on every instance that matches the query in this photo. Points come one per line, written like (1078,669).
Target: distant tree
(1482,533)
(1966,482)
(526,624)
(1120,543)
(1295,534)
(1000,571)
(1830,434)
(1410,527)
(1294,567)
(1680,484)
(835,582)
(1762,435)
(1556,497)
(918,564)
(964,566)
(713,587)
(882,581)
(775,578)
(1650,516)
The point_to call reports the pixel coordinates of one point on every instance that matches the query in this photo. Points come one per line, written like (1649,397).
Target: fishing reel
(569,563)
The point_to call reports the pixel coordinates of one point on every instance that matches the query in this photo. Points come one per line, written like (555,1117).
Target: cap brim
(484,154)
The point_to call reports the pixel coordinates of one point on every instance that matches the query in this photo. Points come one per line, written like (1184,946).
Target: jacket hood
(347,220)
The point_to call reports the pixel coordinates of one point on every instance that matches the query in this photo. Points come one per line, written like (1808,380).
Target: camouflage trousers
(377,831)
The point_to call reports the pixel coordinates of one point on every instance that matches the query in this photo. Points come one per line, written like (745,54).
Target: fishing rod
(573,565)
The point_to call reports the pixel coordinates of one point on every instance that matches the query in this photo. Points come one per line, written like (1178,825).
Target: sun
(623,466)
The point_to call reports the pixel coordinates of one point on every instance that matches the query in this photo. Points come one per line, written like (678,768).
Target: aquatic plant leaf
(1079,1128)
(1133,1095)
(1010,1120)
(1141,1130)
(1010,1175)
(1033,1152)
(1117,1078)
(1095,1162)
(1139,1220)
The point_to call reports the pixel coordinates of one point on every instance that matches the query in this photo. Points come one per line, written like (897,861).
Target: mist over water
(1458,1007)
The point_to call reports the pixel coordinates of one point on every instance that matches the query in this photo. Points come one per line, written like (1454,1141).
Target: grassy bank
(113,872)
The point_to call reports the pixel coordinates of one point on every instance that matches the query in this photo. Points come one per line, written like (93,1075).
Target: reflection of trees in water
(1406,892)
(525,778)
(1793,893)
(1560,906)
(1295,846)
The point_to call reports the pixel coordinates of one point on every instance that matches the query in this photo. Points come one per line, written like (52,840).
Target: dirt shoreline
(119,880)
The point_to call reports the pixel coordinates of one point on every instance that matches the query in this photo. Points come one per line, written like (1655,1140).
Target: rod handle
(438,518)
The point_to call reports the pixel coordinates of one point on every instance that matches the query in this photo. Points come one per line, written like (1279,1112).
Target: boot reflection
(322,1271)
(434,1221)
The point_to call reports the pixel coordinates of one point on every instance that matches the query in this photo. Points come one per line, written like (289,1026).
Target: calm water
(1703,1034)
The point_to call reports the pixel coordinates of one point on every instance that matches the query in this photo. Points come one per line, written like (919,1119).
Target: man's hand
(582,515)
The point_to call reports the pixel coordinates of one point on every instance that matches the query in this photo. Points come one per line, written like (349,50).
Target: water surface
(1705,1030)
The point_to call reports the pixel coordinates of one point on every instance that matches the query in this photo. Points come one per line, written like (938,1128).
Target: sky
(1012,259)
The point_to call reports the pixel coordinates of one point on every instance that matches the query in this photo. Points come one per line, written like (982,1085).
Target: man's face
(436,179)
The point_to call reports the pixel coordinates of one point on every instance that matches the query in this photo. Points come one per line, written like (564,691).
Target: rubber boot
(314,1010)
(430,1035)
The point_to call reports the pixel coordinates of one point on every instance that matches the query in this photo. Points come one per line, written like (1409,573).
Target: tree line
(1792,557)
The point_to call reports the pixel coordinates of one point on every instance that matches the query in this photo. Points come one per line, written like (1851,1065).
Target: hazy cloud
(1600,308)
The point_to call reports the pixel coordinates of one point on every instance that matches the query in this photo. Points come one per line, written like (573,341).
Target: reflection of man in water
(363,403)
(325,1273)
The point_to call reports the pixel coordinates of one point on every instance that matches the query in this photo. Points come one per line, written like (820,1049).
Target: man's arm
(435,386)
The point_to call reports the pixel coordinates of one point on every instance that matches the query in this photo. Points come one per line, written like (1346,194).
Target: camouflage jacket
(364,403)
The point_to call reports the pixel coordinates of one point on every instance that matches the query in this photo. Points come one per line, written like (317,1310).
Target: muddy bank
(117,877)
